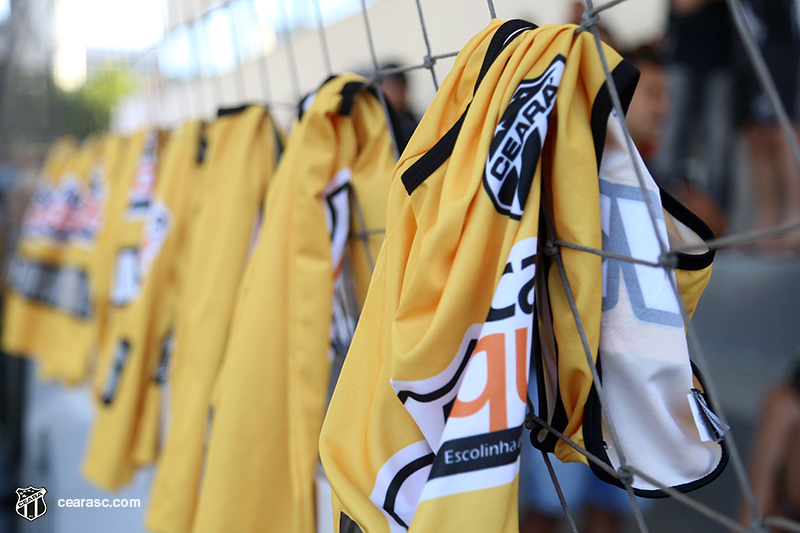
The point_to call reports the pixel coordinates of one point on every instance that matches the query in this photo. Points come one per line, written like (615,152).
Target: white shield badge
(30,503)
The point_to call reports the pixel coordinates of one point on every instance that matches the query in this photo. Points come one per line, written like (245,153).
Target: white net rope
(553,244)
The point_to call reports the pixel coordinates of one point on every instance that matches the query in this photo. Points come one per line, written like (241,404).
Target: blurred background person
(774,175)
(395,89)
(603,508)
(596,506)
(774,469)
(650,103)
(696,137)
(649,109)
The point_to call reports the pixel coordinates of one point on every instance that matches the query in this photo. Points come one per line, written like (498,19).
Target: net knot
(550,248)
(626,475)
(530,423)
(588,20)
(375,80)
(428,62)
(668,260)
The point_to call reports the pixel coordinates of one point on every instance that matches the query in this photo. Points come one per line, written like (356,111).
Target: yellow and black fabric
(56,287)
(134,181)
(143,306)
(18,332)
(294,311)
(126,197)
(120,177)
(241,156)
(168,273)
(424,429)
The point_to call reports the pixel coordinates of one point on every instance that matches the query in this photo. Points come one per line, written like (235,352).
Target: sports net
(325,63)
(181,93)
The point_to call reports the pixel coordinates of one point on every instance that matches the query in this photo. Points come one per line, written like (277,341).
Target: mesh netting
(667,260)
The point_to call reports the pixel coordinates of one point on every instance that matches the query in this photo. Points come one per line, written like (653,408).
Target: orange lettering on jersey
(494,393)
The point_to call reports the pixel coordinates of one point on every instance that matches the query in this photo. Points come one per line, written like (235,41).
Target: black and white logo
(30,503)
(518,141)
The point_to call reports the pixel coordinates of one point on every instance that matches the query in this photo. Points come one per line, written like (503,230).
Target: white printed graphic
(156,229)
(33,224)
(399,484)
(127,277)
(336,206)
(91,213)
(59,215)
(643,352)
(471,414)
(144,183)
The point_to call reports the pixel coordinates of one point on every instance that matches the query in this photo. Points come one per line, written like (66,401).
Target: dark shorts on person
(784,67)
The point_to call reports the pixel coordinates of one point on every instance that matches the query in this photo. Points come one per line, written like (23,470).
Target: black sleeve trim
(279,147)
(431,160)
(348,93)
(625,76)
(302,100)
(225,111)
(400,135)
(202,144)
(506,33)
(402,475)
(696,224)
(347,525)
(300,110)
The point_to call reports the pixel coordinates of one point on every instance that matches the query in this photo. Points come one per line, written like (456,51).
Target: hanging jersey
(138,147)
(105,223)
(168,274)
(44,282)
(424,429)
(239,163)
(651,386)
(139,322)
(19,300)
(294,310)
